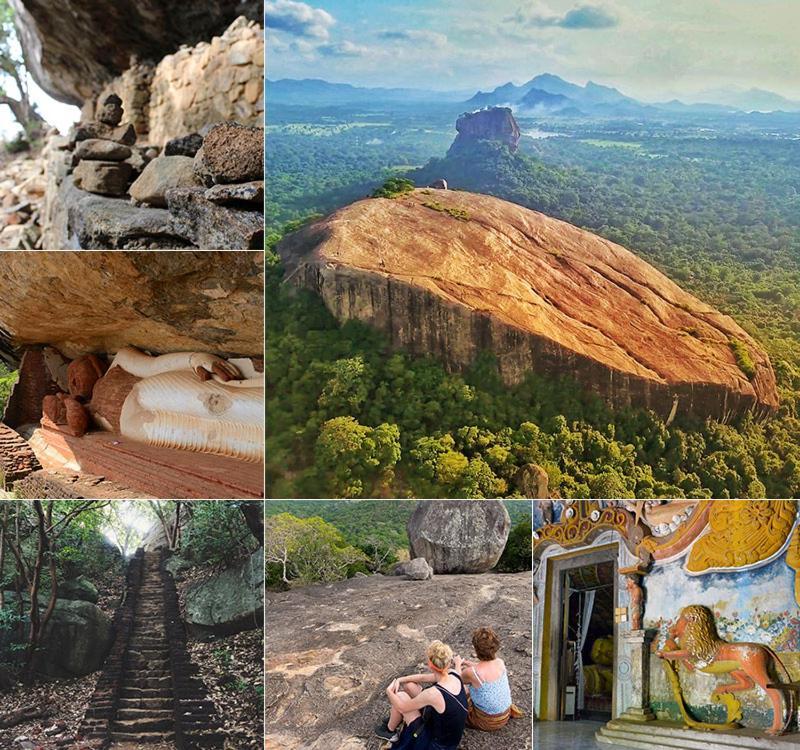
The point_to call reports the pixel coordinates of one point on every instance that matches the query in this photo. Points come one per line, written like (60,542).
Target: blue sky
(653,49)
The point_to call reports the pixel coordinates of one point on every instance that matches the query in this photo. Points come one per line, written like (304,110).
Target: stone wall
(196,86)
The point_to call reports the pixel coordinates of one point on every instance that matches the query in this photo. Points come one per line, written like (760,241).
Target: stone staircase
(149,692)
(661,735)
(145,712)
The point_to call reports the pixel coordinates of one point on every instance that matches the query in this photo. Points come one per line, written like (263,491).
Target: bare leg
(412,690)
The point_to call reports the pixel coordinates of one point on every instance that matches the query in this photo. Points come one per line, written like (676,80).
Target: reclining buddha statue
(189,400)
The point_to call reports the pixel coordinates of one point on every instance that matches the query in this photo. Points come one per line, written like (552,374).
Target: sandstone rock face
(73,48)
(332,650)
(459,536)
(494,124)
(161,302)
(230,601)
(415,570)
(160,175)
(218,79)
(452,274)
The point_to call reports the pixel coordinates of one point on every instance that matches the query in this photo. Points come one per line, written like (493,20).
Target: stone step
(660,735)
(144,724)
(157,704)
(154,714)
(142,738)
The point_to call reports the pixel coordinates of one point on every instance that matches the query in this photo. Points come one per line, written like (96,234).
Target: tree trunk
(253,512)
(34,631)
(3,528)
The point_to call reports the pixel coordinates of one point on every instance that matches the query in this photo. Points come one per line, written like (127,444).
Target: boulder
(459,536)
(532,481)
(76,640)
(454,274)
(103,177)
(161,174)
(80,589)
(230,601)
(415,570)
(97,149)
(493,124)
(186,145)
(209,225)
(246,192)
(232,153)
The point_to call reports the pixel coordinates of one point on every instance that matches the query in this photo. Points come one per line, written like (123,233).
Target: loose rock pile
(22,188)
(205,190)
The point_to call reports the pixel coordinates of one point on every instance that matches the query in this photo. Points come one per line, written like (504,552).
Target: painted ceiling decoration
(712,535)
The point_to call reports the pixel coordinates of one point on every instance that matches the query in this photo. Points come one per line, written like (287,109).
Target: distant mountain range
(315,91)
(543,94)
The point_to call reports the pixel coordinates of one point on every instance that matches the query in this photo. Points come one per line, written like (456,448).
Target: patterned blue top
(492,697)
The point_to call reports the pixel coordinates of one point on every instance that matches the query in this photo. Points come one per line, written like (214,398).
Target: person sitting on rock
(489,693)
(434,717)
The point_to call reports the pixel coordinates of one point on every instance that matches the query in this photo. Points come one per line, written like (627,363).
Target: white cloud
(298,19)
(431,38)
(344,49)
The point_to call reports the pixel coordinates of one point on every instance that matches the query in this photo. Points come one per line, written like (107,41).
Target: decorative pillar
(637,645)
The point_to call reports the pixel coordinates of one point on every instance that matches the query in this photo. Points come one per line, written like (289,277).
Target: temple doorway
(587,664)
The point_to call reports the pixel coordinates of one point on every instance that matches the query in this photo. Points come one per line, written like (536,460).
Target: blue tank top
(492,697)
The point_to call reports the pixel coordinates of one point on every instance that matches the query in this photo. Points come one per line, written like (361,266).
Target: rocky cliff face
(493,124)
(333,649)
(73,48)
(85,302)
(451,274)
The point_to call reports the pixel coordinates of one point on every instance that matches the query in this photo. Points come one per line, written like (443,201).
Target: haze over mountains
(544,94)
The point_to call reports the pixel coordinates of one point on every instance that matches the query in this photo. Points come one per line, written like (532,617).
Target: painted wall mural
(739,561)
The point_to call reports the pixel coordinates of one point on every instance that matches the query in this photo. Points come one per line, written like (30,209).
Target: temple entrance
(575,667)
(587,664)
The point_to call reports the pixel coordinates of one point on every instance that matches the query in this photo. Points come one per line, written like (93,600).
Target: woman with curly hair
(490,705)
(434,717)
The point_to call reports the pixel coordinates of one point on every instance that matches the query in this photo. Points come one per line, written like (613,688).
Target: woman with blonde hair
(490,705)
(434,717)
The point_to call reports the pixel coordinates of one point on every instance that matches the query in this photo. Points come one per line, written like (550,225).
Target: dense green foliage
(517,554)
(216,534)
(719,213)
(308,550)
(393,187)
(7,380)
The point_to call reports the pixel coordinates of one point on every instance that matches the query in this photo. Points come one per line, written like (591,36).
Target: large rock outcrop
(459,536)
(161,302)
(73,48)
(493,124)
(451,274)
(332,650)
(75,641)
(230,601)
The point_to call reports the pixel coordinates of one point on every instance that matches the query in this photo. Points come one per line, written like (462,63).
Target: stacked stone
(102,155)
(211,82)
(213,186)
(227,213)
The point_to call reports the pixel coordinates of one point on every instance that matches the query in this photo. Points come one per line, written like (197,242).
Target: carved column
(637,645)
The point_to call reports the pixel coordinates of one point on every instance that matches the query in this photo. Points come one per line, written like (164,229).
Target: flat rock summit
(450,274)
(333,649)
